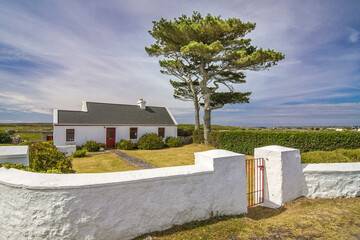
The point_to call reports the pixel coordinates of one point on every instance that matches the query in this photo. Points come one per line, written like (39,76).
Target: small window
(70,135)
(133,133)
(161,132)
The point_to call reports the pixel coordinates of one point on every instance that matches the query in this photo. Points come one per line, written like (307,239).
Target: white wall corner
(282,175)
(84,106)
(55,116)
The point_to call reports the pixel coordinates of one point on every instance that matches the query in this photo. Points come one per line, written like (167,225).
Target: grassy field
(100,163)
(300,219)
(30,136)
(169,157)
(41,127)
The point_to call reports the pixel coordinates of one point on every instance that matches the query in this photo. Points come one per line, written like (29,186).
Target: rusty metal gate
(255,181)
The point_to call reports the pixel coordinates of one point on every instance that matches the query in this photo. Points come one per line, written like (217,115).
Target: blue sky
(54,54)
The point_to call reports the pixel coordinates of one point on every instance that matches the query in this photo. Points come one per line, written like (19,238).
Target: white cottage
(108,123)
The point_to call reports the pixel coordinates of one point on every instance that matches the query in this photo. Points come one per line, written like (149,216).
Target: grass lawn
(30,136)
(169,157)
(100,163)
(300,219)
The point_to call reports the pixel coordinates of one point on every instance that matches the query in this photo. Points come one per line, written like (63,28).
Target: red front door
(110,137)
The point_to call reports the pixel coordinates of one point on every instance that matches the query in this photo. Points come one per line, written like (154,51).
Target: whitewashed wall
(331,180)
(14,154)
(287,179)
(120,205)
(98,133)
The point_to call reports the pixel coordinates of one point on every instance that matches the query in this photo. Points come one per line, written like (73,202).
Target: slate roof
(108,113)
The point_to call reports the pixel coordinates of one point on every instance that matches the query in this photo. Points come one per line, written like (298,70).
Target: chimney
(142,103)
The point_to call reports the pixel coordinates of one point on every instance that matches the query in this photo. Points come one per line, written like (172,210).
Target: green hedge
(4,137)
(246,141)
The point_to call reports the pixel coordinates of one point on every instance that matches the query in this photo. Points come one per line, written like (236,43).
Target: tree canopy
(212,52)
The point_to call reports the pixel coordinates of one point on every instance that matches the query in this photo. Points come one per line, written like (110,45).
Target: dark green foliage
(208,55)
(4,137)
(150,141)
(198,136)
(93,146)
(102,145)
(79,153)
(45,157)
(246,141)
(26,143)
(172,142)
(10,132)
(15,165)
(125,145)
(185,132)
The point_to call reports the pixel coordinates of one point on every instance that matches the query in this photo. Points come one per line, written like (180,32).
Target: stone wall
(120,205)
(331,180)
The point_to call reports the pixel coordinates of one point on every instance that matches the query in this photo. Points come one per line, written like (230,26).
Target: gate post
(282,174)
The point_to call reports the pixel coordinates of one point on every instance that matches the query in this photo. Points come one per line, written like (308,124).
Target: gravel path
(133,161)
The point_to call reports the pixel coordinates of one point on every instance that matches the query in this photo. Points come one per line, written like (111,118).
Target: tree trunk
(207,108)
(207,118)
(197,109)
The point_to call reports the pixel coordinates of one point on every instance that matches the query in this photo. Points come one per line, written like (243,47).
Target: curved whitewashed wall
(120,205)
(331,180)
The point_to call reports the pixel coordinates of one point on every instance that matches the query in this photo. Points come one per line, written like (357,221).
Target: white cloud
(354,35)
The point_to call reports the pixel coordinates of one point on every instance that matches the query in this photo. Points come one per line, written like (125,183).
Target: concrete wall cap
(278,148)
(331,167)
(13,150)
(218,153)
(31,180)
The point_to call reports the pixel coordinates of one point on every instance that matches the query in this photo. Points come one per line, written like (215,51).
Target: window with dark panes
(70,134)
(133,133)
(161,132)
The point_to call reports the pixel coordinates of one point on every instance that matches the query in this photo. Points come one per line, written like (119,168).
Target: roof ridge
(135,105)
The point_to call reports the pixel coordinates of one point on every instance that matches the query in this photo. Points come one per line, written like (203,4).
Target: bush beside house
(79,153)
(93,146)
(125,145)
(172,142)
(150,141)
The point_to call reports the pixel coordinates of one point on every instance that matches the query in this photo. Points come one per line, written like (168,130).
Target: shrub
(15,165)
(198,136)
(246,141)
(45,157)
(125,145)
(102,145)
(150,141)
(92,146)
(172,142)
(79,153)
(26,143)
(4,137)
(185,132)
